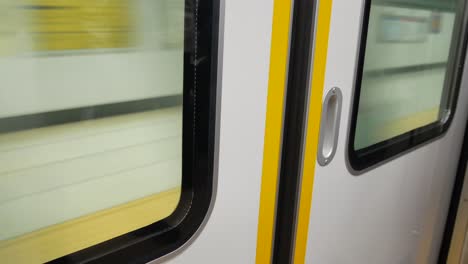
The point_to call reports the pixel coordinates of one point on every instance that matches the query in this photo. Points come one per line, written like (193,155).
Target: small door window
(408,76)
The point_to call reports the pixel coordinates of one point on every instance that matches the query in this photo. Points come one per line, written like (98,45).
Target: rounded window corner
(447,120)
(351,165)
(197,228)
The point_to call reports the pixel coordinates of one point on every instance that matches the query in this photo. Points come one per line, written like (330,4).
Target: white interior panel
(394,213)
(230,235)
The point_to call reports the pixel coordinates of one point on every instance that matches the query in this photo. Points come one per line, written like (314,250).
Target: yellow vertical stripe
(274,118)
(313,127)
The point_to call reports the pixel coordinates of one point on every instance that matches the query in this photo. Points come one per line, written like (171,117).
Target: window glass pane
(405,68)
(90,118)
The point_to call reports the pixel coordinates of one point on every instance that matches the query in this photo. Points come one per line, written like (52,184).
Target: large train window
(107,127)
(408,76)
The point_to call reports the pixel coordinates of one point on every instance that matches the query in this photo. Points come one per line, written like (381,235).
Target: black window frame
(369,157)
(200,113)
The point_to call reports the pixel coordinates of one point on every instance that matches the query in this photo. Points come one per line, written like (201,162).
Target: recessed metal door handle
(329,126)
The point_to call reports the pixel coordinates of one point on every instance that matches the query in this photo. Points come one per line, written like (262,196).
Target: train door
(118,134)
(381,154)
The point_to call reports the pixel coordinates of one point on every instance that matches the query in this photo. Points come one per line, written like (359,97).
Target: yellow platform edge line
(313,127)
(273,128)
(71,236)
(407,123)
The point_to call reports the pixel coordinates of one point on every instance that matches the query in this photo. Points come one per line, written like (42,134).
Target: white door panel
(231,233)
(393,213)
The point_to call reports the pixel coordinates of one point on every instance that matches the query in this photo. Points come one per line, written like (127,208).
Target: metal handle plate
(329,126)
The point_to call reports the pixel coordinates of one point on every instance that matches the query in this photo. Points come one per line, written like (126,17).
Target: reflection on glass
(90,109)
(405,67)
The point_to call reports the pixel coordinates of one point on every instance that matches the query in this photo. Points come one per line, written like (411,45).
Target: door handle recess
(329,126)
